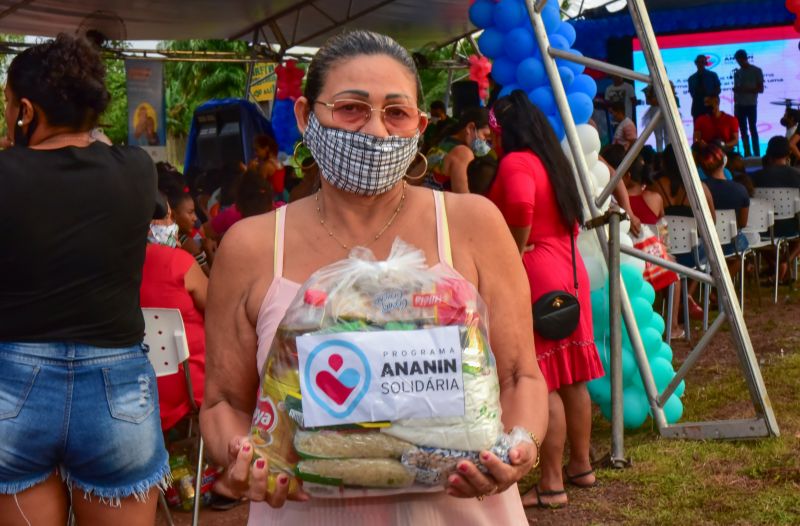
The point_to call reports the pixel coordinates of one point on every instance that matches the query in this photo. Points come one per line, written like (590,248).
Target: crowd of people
(80,406)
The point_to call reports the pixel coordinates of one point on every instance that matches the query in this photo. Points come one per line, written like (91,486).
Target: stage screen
(773,49)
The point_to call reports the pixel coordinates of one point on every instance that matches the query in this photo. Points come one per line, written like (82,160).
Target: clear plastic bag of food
(380,379)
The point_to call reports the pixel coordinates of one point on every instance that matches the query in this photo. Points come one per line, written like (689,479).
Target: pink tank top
(429,509)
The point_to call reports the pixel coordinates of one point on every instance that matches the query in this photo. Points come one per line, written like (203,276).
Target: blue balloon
(635,407)
(491,42)
(567,77)
(566,30)
(558,127)
(673,409)
(507,90)
(581,106)
(543,98)
(519,44)
(531,74)
(504,71)
(551,16)
(481,13)
(559,42)
(584,84)
(576,68)
(509,14)
(662,373)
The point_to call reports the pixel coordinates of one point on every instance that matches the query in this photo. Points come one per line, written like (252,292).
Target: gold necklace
(378,235)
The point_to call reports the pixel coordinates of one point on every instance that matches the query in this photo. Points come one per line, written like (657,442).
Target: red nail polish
(261,463)
(463,468)
(484,456)
(246,448)
(283,480)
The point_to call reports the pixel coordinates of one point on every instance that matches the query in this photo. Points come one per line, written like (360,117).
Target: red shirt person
(717,127)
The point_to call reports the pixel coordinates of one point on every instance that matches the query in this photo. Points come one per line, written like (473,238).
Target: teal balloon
(648,292)
(633,279)
(635,407)
(680,389)
(664,352)
(657,323)
(651,340)
(642,311)
(662,373)
(605,410)
(600,390)
(673,409)
(629,369)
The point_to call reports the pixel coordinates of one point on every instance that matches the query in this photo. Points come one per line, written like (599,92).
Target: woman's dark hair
(670,169)
(481,173)
(478,116)
(709,157)
(253,194)
(640,170)
(64,77)
(350,45)
(266,142)
(613,154)
(525,128)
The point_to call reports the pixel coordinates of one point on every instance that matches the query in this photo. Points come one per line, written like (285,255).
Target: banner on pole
(262,85)
(146,106)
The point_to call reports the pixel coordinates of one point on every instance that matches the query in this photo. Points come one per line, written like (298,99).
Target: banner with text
(262,84)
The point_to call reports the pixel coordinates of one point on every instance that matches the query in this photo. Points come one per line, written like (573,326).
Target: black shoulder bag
(557,313)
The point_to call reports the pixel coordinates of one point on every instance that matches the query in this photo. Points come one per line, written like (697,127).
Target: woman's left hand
(469,481)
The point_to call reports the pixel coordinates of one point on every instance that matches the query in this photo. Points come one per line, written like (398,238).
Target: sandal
(573,479)
(546,505)
(677,334)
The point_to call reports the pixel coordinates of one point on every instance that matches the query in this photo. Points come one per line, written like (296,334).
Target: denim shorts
(90,412)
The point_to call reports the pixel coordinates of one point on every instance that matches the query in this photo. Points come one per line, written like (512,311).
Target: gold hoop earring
(424,171)
(294,156)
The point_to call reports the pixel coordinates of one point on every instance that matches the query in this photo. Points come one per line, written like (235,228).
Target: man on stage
(702,84)
(748,82)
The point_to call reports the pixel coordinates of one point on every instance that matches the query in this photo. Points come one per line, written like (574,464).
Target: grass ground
(694,483)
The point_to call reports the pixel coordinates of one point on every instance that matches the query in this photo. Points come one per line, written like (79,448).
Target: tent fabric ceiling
(415,23)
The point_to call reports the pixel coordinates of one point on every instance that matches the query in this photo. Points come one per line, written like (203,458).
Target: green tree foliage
(189,84)
(114,120)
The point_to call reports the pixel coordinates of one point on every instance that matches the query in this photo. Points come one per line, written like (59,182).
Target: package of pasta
(380,379)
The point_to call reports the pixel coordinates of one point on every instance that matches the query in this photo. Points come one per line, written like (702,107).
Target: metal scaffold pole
(764,424)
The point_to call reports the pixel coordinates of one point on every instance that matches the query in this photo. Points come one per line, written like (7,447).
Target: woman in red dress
(537,194)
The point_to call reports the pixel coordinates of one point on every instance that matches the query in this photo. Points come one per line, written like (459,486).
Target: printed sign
(355,377)
(145,83)
(262,85)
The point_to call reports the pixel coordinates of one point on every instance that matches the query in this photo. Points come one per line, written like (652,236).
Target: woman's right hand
(248,479)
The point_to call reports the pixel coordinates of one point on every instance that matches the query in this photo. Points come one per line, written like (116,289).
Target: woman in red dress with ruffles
(537,194)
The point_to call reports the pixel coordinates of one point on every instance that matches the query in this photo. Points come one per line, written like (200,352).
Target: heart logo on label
(340,371)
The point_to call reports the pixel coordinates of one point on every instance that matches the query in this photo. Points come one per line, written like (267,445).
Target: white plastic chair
(760,234)
(786,205)
(165,335)
(682,240)
(727,231)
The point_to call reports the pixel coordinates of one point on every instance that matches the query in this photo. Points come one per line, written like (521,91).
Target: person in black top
(78,400)
(727,195)
(777,173)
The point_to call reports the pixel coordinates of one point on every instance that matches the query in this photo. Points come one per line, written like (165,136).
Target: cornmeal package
(380,379)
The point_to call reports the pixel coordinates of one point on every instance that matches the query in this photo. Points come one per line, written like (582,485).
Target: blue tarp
(252,120)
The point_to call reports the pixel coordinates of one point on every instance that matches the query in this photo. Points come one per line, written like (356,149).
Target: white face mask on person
(166,235)
(480,147)
(356,162)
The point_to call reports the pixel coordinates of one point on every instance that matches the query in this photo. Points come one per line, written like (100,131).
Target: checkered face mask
(356,162)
